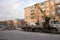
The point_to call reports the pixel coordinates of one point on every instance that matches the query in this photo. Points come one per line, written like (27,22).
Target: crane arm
(39,7)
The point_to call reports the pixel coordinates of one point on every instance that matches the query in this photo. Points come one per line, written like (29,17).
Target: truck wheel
(53,30)
(30,30)
(40,30)
(24,29)
(36,30)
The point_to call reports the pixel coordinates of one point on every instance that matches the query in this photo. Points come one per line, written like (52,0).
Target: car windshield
(55,22)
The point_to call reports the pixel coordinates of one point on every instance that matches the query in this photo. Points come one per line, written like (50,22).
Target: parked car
(2,27)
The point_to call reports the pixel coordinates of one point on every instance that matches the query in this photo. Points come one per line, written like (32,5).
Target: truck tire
(30,30)
(53,30)
(24,29)
(40,30)
(36,30)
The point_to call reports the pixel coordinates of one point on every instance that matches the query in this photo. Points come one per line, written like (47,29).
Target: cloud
(12,9)
(31,3)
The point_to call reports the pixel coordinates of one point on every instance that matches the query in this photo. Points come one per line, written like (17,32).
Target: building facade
(18,22)
(32,14)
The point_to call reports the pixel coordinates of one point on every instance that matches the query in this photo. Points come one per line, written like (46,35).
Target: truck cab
(55,24)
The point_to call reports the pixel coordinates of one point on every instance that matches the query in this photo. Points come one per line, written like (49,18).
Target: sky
(14,9)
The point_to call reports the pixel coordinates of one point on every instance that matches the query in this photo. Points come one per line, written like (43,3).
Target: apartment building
(33,15)
(18,22)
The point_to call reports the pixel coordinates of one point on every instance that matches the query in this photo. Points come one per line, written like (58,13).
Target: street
(20,35)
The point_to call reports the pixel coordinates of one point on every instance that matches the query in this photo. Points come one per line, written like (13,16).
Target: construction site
(42,16)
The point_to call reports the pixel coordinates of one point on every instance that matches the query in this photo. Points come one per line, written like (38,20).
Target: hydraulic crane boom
(50,8)
(45,17)
(46,23)
(38,6)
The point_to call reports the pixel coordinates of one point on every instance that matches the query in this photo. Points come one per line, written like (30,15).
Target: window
(32,13)
(43,10)
(42,3)
(58,10)
(26,17)
(32,10)
(54,22)
(53,12)
(32,17)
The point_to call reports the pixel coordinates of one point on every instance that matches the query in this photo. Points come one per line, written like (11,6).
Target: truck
(49,25)
(54,27)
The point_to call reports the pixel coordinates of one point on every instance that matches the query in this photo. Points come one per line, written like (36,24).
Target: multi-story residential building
(29,14)
(32,14)
(18,22)
(10,23)
(3,23)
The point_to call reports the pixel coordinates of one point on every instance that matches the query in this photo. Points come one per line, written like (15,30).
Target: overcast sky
(14,9)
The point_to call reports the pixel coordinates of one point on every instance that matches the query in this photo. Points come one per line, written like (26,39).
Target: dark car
(2,27)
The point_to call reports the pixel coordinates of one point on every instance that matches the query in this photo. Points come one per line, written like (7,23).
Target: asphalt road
(20,35)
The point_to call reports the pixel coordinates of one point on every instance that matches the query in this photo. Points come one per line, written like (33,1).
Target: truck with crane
(49,25)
